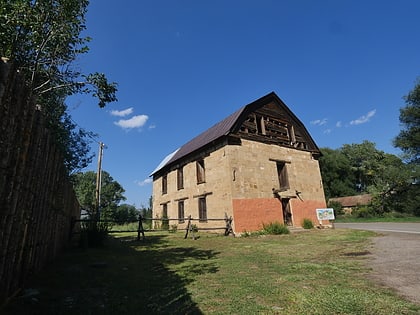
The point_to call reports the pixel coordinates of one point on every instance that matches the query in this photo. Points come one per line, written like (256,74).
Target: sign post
(325,214)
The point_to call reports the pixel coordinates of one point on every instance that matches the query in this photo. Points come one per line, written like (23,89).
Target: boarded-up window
(164,184)
(180,178)
(202,209)
(181,214)
(201,176)
(282,174)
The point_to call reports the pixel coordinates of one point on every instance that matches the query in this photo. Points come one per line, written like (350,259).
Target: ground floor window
(181,214)
(202,209)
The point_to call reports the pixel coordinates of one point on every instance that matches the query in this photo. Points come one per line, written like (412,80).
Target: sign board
(325,214)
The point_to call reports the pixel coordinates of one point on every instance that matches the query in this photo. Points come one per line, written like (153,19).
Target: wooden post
(228,228)
(140,228)
(188,227)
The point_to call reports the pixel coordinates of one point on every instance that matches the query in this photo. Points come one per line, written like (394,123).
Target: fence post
(188,227)
(229,228)
(140,228)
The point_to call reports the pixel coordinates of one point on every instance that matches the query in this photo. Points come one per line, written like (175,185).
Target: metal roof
(221,129)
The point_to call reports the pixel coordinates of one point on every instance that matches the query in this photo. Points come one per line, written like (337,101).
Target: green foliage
(338,207)
(174,228)
(125,213)
(42,39)
(111,193)
(275,228)
(93,234)
(364,212)
(165,222)
(337,174)
(408,139)
(307,224)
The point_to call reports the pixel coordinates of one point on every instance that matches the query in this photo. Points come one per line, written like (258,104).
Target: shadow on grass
(124,277)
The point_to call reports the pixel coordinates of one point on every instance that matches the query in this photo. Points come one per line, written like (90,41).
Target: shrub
(338,207)
(93,234)
(275,228)
(307,224)
(174,228)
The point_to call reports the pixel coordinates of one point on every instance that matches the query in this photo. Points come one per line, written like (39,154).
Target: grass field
(309,272)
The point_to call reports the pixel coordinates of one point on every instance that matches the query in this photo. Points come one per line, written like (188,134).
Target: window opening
(164,184)
(201,178)
(181,214)
(282,175)
(202,209)
(180,178)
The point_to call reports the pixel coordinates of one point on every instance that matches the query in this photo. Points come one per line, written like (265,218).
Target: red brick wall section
(251,214)
(306,210)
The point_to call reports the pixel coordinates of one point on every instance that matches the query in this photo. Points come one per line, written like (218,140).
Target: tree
(111,193)
(408,139)
(337,175)
(42,39)
(125,213)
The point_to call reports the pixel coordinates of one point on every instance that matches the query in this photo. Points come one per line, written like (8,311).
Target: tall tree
(42,38)
(337,174)
(408,139)
(112,193)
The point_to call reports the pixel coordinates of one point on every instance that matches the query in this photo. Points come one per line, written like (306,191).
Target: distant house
(350,203)
(258,165)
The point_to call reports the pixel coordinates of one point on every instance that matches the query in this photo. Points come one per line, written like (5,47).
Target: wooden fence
(37,200)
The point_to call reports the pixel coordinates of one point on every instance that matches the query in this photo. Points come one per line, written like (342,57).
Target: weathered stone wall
(37,201)
(216,188)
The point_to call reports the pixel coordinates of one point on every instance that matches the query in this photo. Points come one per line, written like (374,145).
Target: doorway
(287,213)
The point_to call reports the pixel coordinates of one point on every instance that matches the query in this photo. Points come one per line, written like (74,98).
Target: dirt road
(395,258)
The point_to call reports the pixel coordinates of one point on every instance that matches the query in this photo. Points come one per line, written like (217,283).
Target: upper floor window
(201,175)
(180,178)
(164,184)
(282,175)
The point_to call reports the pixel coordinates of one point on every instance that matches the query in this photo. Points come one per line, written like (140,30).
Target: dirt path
(396,263)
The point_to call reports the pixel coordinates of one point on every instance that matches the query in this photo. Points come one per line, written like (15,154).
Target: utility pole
(99,182)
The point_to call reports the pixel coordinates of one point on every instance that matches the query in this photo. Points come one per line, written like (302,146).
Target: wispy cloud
(145,182)
(134,122)
(122,113)
(363,119)
(319,122)
(338,124)
(327,131)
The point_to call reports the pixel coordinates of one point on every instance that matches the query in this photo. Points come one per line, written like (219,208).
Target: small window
(180,178)
(282,175)
(164,184)
(181,214)
(202,209)
(201,176)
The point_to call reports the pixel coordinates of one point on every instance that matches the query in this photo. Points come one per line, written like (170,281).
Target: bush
(275,228)
(93,234)
(338,207)
(307,224)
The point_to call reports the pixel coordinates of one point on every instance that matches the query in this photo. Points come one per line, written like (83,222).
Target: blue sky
(341,66)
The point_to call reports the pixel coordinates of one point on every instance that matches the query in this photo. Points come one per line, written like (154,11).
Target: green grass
(309,272)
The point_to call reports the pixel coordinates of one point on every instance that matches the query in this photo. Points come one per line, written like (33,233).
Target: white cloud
(327,131)
(338,124)
(147,181)
(134,122)
(122,113)
(363,119)
(319,122)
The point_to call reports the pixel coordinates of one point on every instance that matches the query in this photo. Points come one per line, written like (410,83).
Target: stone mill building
(258,165)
